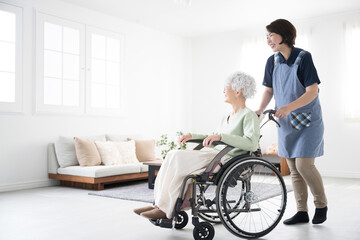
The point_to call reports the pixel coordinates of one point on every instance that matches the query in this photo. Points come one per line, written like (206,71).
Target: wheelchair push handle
(270,113)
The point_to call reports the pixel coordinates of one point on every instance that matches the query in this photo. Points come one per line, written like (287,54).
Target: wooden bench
(96,183)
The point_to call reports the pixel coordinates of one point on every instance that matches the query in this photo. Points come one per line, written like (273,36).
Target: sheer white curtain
(303,40)
(254,53)
(352,71)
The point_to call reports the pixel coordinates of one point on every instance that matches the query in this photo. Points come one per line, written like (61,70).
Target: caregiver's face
(274,40)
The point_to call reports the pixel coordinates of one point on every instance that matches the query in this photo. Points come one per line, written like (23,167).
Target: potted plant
(167,145)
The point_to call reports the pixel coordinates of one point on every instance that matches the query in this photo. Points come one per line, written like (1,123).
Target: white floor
(67,213)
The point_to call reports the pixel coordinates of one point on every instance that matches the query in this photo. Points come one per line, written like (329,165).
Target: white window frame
(16,106)
(103,111)
(41,18)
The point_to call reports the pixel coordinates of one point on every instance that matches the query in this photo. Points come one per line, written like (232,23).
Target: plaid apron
(301,133)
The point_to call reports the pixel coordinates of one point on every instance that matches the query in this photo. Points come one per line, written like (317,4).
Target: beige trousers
(304,174)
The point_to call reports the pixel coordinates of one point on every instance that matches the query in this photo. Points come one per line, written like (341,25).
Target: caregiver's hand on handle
(282,112)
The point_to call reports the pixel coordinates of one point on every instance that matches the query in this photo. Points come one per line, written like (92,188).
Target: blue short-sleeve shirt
(306,73)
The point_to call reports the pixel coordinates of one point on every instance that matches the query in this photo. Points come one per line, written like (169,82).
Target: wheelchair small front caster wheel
(208,233)
(181,220)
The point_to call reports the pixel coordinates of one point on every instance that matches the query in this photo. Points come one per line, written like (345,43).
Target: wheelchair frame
(238,171)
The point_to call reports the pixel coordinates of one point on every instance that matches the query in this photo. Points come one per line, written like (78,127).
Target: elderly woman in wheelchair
(221,180)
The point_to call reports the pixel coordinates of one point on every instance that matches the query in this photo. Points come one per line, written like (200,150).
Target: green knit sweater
(241,131)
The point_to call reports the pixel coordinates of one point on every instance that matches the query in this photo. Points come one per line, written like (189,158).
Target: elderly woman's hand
(259,112)
(184,138)
(210,139)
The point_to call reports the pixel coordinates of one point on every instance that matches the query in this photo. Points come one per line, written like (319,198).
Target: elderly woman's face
(229,94)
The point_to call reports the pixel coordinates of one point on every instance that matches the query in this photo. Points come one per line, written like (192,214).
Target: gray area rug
(134,191)
(139,191)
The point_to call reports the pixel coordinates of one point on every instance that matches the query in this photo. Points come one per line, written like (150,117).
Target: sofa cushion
(53,163)
(127,152)
(109,153)
(65,149)
(101,171)
(145,150)
(121,138)
(144,168)
(86,152)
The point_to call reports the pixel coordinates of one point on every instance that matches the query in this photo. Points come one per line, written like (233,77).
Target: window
(78,68)
(60,65)
(352,71)
(104,72)
(10,58)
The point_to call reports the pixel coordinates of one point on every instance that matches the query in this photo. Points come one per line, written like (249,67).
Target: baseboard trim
(340,174)
(27,185)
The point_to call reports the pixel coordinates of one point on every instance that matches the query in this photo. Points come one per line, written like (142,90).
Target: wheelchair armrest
(217,159)
(195,140)
(221,143)
(200,141)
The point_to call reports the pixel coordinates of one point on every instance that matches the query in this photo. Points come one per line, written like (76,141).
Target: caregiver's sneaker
(320,215)
(299,217)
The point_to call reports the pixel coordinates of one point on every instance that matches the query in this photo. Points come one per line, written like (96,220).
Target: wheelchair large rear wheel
(251,197)
(208,212)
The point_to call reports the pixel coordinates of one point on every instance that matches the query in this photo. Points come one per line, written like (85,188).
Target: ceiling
(212,16)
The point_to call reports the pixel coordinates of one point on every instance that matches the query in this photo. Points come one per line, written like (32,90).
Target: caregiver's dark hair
(285,29)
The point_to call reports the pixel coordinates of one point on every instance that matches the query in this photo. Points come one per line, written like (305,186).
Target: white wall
(171,84)
(157,77)
(216,56)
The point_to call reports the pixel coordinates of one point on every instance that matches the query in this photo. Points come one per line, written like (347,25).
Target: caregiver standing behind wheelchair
(239,129)
(291,77)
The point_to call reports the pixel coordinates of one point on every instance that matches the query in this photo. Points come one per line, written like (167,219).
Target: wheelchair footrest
(163,223)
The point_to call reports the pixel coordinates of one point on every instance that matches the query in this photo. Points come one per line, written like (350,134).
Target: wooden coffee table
(278,162)
(154,167)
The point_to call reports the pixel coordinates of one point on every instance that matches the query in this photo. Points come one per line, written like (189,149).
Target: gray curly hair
(244,82)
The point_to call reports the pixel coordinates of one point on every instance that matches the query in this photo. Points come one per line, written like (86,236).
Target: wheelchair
(247,195)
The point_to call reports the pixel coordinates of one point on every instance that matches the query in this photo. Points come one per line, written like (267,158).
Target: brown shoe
(154,214)
(138,211)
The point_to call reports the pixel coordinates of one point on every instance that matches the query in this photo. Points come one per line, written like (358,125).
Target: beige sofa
(63,165)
